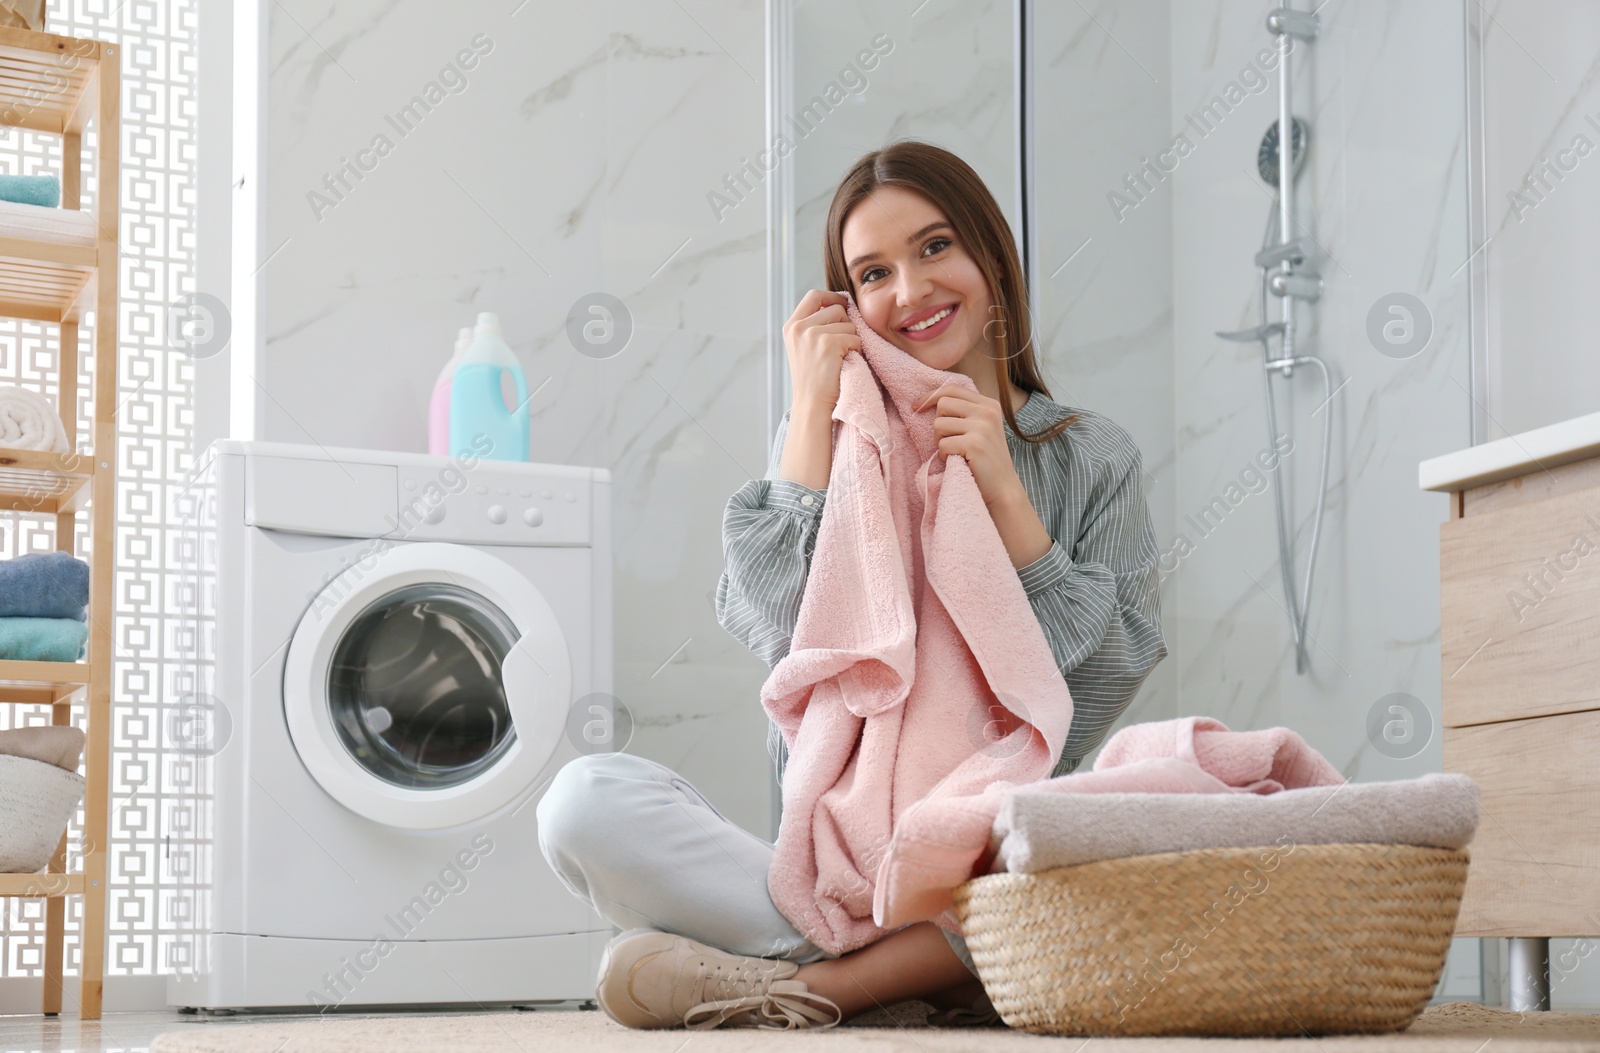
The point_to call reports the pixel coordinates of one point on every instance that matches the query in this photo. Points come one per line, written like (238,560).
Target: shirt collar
(1034,414)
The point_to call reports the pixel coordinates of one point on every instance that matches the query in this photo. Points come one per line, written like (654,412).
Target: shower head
(1267,155)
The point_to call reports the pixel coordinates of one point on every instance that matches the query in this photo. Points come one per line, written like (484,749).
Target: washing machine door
(429,689)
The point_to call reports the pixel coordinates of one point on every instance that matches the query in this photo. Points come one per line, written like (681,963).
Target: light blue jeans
(642,846)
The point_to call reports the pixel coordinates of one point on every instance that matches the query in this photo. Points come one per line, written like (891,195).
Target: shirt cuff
(1046,572)
(795,497)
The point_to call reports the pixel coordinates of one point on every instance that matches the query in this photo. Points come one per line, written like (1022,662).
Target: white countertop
(1490,462)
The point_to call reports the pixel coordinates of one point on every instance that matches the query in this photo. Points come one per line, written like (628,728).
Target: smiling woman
(923,249)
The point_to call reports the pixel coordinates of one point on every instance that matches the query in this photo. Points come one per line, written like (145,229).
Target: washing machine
(389,655)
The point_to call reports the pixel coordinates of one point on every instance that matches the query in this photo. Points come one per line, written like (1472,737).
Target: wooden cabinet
(1520,649)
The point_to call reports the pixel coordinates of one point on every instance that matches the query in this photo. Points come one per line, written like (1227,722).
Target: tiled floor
(132,1032)
(122,1032)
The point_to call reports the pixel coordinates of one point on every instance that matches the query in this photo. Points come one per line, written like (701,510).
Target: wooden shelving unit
(57,85)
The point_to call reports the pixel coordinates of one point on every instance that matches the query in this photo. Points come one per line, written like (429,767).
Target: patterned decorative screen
(149,778)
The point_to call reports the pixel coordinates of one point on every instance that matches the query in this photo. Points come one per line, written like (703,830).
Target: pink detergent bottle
(439,405)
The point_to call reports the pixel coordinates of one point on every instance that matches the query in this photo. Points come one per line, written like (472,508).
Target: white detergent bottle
(439,404)
(481,423)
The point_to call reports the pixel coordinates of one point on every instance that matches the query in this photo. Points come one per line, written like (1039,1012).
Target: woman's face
(905,267)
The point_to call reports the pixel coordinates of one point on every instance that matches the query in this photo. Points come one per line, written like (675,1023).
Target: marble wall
(1103,280)
(567,149)
(1541,168)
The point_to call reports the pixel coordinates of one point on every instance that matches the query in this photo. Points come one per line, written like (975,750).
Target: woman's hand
(970,423)
(816,338)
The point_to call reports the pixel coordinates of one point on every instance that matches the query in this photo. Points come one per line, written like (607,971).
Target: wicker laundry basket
(1302,939)
(37,800)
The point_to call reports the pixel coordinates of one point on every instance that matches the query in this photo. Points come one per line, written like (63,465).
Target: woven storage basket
(37,800)
(1300,939)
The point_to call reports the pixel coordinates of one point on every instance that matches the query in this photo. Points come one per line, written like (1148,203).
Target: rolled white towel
(29,422)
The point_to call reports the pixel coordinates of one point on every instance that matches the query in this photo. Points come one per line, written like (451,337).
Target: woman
(926,253)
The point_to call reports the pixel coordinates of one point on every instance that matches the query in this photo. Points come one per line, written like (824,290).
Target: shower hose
(1297,607)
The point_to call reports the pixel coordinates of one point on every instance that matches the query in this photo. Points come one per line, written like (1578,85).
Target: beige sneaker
(651,979)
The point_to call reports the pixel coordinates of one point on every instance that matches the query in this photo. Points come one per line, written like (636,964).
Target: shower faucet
(1282,264)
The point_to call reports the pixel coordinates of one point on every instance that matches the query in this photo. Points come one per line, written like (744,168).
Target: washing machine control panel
(489,505)
(348,493)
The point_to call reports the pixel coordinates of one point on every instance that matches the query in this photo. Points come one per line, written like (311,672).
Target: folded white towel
(1038,831)
(29,422)
(37,799)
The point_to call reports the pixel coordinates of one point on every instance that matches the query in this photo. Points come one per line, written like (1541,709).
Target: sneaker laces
(785,1005)
(719,981)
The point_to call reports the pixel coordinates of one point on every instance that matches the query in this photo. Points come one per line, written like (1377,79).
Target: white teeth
(928,321)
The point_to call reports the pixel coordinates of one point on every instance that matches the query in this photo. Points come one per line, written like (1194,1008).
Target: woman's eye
(936,245)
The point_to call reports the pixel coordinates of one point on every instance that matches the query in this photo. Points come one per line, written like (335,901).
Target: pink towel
(918,673)
(919,688)
(944,841)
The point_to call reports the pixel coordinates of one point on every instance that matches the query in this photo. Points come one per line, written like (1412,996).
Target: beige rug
(1454,1027)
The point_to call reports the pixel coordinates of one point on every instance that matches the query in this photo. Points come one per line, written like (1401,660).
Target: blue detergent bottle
(478,398)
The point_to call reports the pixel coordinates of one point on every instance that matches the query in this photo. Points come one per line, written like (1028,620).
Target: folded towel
(1038,831)
(29,422)
(37,800)
(936,848)
(44,585)
(31,189)
(58,744)
(42,639)
(918,673)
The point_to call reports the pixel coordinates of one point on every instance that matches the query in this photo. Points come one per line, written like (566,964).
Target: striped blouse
(1095,591)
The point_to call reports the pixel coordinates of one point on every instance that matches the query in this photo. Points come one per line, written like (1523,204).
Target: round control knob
(434,516)
(497,514)
(532,516)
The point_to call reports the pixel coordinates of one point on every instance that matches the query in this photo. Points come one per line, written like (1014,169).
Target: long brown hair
(981,228)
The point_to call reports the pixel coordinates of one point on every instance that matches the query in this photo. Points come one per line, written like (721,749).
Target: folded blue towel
(31,189)
(42,639)
(44,585)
